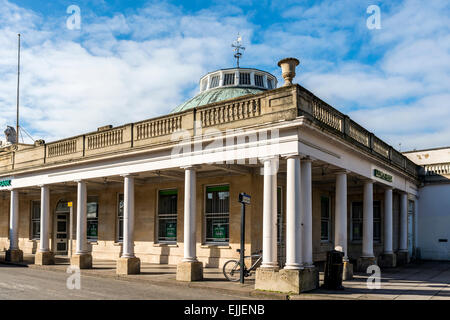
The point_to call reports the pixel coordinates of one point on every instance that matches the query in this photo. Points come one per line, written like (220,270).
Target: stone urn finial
(288,69)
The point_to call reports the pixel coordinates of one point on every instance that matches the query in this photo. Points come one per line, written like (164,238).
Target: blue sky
(133,60)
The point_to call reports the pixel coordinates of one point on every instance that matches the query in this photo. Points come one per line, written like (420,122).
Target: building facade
(165,190)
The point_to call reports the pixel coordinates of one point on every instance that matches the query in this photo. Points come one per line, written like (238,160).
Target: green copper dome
(227,84)
(216,95)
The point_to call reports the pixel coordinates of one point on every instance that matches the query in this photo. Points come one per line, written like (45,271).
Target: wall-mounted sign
(244,198)
(382,175)
(171,230)
(219,232)
(5,183)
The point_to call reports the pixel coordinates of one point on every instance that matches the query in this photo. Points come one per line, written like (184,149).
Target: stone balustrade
(285,103)
(62,148)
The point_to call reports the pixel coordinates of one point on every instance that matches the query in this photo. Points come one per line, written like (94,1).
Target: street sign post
(243,199)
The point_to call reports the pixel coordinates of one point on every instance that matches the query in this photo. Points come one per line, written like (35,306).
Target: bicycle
(232,268)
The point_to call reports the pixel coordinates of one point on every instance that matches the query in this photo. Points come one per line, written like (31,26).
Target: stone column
(44,256)
(295,277)
(190,269)
(293,215)
(306,187)
(128,263)
(275,211)
(14,254)
(402,254)
(388,258)
(340,230)
(82,257)
(367,258)
(269,259)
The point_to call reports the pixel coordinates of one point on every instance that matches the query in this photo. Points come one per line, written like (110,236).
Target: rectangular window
(217,214)
(279,216)
(325,218)
(228,79)
(259,80)
(35,220)
(269,84)
(92,218)
(357,221)
(214,82)
(204,84)
(244,78)
(377,221)
(119,224)
(167,215)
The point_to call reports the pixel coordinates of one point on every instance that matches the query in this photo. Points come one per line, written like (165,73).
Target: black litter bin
(333,270)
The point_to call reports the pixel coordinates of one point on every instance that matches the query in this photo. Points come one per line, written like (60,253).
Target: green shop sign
(382,175)
(219,232)
(171,230)
(5,183)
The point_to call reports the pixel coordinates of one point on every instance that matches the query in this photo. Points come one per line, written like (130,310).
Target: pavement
(429,280)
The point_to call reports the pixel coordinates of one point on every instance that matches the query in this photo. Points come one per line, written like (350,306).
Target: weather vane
(237,46)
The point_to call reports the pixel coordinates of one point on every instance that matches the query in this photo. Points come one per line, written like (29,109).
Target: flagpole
(18,83)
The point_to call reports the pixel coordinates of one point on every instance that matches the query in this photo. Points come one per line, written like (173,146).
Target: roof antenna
(237,46)
(18,83)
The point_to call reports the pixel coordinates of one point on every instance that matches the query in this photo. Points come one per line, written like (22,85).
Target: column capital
(341,171)
(269,158)
(79,180)
(388,188)
(307,159)
(291,155)
(190,167)
(368,180)
(132,175)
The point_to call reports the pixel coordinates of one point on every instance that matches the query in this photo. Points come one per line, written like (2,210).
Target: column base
(402,258)
(347,272)
(190,271)
(387,260)
(82,261)
(364,262)
(287,280)
(128,266)
(14,255)
(44,258)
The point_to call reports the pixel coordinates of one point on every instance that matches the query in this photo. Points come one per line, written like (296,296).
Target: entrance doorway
(62,228)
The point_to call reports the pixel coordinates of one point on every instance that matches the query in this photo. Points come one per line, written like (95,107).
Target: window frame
(118,229)
(351,221)
(378,221)
(34,220)
(229,74)
(157,240)
(205,220)
(328,220)
(92,239)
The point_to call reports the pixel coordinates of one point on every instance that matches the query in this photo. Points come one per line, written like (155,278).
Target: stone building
(165,190)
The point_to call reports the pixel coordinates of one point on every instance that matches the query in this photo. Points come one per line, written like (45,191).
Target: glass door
(61,233)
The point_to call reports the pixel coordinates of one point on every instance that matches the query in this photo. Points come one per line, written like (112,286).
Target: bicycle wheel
(232,270)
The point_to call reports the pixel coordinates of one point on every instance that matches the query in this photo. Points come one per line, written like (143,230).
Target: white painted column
(388,221)
(14,221)
(403,245)
(293,215)
(190,185)
(367,245)
(128,217)
(275,212)
(340,225)
(81,245)
(268,255)
(416,223)
(306,198)
(45,219)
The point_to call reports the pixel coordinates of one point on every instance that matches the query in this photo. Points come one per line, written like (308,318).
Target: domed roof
(215,95)
(227,84)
